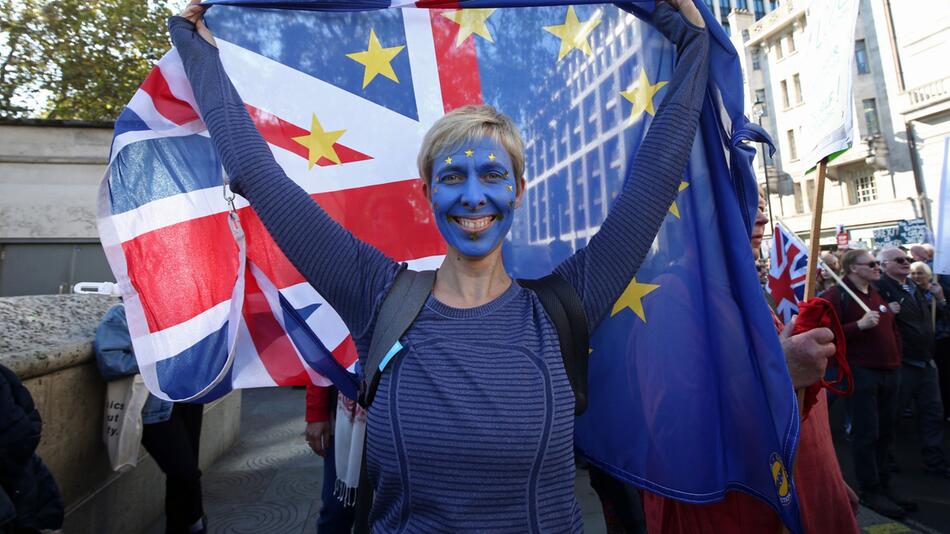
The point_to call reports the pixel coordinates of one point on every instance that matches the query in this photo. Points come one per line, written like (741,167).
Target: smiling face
(474,193)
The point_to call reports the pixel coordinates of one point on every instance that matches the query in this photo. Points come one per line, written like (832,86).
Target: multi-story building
(915,45)
(871,186)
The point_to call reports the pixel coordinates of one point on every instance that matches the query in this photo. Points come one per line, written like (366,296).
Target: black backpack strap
(399,309)
(566,310)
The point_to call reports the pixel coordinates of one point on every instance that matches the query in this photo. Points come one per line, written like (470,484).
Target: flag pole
(811,276)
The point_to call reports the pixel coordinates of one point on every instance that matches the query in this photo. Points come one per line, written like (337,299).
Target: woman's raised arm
(349,273)
(603,269)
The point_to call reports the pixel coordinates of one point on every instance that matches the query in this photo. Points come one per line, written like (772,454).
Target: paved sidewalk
(270,482)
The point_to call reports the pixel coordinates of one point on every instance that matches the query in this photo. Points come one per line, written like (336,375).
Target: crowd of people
(896,322)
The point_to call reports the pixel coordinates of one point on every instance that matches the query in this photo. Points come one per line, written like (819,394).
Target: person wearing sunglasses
(919,377)
(874,354)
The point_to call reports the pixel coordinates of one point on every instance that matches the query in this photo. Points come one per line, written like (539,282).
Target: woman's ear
(425,190)
(520,195)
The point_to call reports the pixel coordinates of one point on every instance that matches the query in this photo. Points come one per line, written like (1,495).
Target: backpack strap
(399,309)
(566,310)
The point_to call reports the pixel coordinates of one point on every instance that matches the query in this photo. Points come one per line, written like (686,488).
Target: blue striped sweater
(472,429)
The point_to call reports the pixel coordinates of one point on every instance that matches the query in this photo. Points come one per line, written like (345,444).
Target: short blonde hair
(464,124)
(922,265)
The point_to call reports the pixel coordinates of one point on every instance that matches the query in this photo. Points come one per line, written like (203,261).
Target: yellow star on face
(470,21)
(319,143)
(491,156)
(448,160)
(469,153)
(674,209)
(641,96)
(376,60)
(632,298)
(573,33)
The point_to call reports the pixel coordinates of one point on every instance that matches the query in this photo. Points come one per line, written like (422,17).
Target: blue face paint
(473,196)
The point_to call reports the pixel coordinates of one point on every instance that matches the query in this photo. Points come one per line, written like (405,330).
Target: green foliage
(76,59)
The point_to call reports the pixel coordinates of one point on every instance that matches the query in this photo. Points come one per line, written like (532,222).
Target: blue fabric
(113,348)
(690,395)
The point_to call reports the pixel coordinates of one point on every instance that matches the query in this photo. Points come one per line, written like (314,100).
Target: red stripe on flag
(274,348)
(401,226)
(165,102)
(345,352)
(458,65)
(279,132)
(196,262)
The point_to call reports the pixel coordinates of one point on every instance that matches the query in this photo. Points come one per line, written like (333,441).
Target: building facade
(870,187)
(49,180)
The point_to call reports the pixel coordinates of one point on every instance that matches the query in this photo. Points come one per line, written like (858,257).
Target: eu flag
(689,393)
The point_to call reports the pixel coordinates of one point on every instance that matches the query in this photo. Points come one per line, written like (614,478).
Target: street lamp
(758,110)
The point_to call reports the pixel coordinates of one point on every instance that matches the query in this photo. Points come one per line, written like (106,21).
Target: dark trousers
(922,385)
(873,421)
(623,511)
(174,446)
(335,518)
(942,358)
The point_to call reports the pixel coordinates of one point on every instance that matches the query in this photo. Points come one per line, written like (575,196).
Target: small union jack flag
(787,272)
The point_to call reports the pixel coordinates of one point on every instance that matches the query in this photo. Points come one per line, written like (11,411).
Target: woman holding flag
(472,427)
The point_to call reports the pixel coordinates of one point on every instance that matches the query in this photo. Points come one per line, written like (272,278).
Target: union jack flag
(789,265)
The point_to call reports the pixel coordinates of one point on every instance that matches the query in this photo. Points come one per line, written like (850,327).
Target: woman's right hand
(194,13)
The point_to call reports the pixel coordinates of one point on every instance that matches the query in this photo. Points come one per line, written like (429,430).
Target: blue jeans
(334,517)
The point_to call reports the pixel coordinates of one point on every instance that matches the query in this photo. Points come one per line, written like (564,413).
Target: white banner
(942,216)
(827,80)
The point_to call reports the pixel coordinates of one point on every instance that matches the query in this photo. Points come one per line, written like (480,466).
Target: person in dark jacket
(874,354)
(919,377)
(30,500)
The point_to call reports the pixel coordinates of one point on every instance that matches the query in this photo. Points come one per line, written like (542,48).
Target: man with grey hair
(919,377)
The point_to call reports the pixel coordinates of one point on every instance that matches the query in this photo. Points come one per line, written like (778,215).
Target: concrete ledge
(47,341)
(43,334)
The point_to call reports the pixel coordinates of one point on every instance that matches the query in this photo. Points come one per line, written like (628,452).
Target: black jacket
(914,321)
(27,484)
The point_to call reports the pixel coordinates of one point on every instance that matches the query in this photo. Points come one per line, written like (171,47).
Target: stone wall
(47,341)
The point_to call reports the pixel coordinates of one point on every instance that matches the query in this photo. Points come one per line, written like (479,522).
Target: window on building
(745,35)
(810,190)
(790,42)
(756,60)
(861,57)
(758,7)
(709,4)
(797,81)
(725,7)
(870,116)
(742,4)
(760,97)
(799,202)
(792,149)
(785,100)
(773,4)
(778,50)
(863,188)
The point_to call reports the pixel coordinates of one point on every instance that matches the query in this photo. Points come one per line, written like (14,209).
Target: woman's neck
(465,282)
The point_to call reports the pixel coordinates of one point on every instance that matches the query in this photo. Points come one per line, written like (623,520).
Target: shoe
(881,504)
(900,500)
(941,470)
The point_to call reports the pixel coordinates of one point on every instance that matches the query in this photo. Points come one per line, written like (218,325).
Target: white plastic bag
(122,422)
